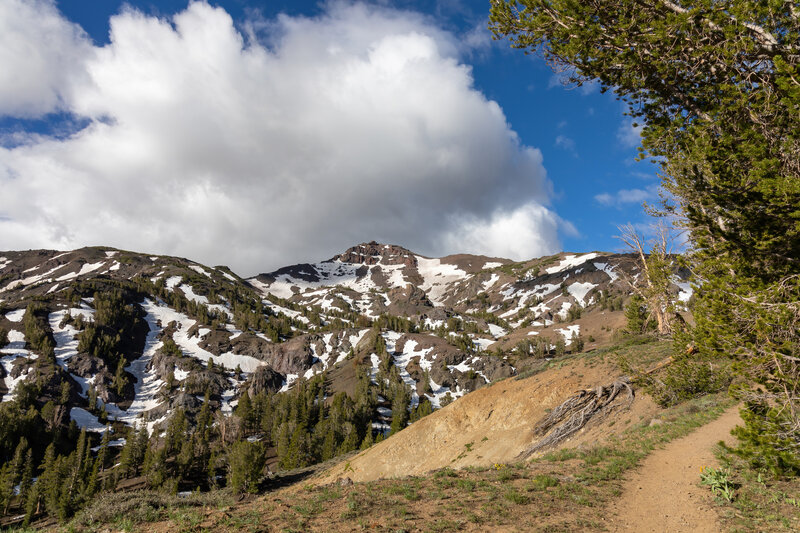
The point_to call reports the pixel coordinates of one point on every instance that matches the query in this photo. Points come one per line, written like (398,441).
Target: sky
(263,134)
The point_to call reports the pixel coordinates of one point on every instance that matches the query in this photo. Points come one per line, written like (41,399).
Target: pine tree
(244,410)
(716,87)
(561,346)
(636,315)
(26,481)
(246,461)
(368,441)
(32,503)
(12,473)
(49,483)
(6,487)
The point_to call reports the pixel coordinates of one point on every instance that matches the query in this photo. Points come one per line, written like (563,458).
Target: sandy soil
(491,425)
(664,493)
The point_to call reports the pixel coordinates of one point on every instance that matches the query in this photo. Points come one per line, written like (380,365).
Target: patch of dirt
(491,425)
(664,493)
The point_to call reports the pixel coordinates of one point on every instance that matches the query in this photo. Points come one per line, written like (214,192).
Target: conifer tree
(368,440)
(26,480)
(716,88)
(246,461)
(244,410)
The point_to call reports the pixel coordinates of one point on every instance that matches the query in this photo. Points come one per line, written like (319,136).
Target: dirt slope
(663,494)
(490,425)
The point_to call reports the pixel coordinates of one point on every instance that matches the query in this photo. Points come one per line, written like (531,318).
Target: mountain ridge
(132,337)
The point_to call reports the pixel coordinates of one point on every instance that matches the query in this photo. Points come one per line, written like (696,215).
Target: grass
(565,490)
(127,510)
(760,502)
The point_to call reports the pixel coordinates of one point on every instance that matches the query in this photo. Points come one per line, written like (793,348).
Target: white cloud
(359,124)
(40,54)
(629,135)
(508,234)
(627,196)
(562,141)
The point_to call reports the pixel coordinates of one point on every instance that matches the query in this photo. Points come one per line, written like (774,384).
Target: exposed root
(575,413)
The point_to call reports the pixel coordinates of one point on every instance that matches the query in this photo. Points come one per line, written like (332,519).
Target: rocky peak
(374,253)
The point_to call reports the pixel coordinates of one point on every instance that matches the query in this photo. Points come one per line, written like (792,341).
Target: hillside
(304,319)
(155,354)
(459,469)
(490,426)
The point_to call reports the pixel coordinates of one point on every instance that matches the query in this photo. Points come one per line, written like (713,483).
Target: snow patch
(608,269)
(200,270)
(29,280)
(172,281)
(87,268)
(15,315)
(571,261)
(86,420)
(685,287)
(437,277)
(569,331)
(14,349)
(491,281)
(580,290)
(496,331)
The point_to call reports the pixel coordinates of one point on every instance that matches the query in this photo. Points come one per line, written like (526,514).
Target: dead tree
(574,413)
(655,268)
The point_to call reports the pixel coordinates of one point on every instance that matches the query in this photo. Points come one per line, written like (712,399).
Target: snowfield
(437,278)
(14,349)
(571,261)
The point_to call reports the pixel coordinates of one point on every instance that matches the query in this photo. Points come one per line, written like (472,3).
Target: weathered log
(575,412)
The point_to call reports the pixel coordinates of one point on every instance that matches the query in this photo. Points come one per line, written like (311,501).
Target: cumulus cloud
(507,234)
(41,55)
(321,132)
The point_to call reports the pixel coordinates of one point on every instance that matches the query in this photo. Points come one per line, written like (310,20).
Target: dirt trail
(663,494)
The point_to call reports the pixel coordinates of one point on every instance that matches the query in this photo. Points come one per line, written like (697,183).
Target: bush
(685,378)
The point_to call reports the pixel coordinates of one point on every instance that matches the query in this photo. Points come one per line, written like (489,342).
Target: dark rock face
(182,400)
(200,381)
(442,376)
(470,381)
(264,379)
(104,385)
(494,368)
(291,357)
(217,341)
(18,365)
(86,366)
(303,271)
(372,253)
(249,344)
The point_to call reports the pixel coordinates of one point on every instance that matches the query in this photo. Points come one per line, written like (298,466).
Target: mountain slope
(493,425)
(467,321)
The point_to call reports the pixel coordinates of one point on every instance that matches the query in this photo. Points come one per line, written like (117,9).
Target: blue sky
(560,172)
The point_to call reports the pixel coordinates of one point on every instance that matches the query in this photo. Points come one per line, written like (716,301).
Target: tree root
(572,415)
